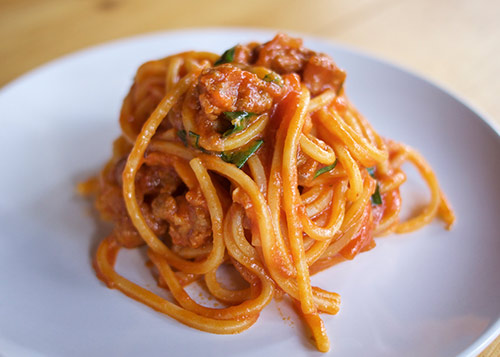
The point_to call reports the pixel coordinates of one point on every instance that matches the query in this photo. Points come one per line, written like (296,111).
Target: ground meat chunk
(150,181)
(227,88)
(111,205)
(283,54)
(321,73)
(244,54)
(188,218)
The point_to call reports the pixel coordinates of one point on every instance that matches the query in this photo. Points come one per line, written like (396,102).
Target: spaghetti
(256,160)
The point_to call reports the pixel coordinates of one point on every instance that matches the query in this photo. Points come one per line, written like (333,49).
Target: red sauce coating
(237,86)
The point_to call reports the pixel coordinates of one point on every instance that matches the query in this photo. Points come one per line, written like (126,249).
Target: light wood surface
(453,42)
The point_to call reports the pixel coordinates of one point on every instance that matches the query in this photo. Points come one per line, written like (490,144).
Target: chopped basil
(239,120)
(273,78)
(227,57)
(196,141)
(182,135)
(376,198)
(325,169)
(239,158)
(184,138)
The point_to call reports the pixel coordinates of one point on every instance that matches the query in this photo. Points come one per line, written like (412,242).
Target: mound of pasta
(255,160)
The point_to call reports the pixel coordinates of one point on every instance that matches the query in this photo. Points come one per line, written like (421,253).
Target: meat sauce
(170,209)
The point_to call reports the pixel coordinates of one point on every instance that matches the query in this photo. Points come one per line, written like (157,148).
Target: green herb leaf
(376,198)
(196,141)
(273,78)
(325,169)
(182,135)
(227,57)
(238,115)
(239,158)
(239,119)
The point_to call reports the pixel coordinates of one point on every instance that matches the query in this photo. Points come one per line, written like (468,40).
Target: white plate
(432,292)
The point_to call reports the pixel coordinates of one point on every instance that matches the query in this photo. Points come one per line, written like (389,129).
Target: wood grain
(453,42)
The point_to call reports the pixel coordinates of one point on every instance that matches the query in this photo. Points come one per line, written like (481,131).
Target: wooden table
(455,43)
